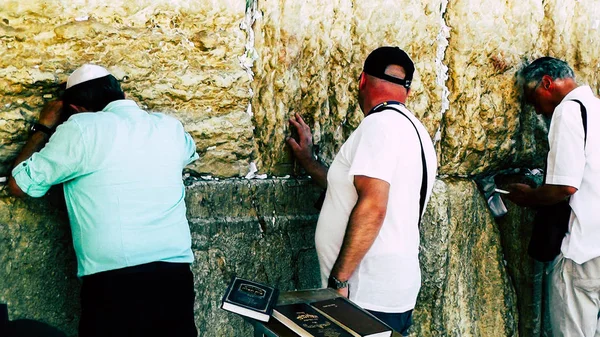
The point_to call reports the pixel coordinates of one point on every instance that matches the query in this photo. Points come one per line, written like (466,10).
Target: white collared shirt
(572,163)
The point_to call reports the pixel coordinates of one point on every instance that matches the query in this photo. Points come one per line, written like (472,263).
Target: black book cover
(251,299)
(306,321)
(353,318)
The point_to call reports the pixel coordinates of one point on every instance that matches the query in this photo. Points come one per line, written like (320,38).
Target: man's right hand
(51,114)
(303,146)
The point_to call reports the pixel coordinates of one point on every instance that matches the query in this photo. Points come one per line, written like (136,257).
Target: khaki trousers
(575,298)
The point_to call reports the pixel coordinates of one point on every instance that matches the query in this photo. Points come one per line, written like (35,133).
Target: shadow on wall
(25,327)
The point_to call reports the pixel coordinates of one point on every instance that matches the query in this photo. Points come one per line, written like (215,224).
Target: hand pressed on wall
(301,144)
(51,114)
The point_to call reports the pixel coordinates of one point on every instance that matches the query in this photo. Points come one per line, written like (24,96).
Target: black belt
(152,267)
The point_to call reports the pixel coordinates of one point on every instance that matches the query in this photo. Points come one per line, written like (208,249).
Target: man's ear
(363,81)
(547,82)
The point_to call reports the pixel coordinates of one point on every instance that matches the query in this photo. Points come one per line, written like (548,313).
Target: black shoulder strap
(423,161)
(584,119)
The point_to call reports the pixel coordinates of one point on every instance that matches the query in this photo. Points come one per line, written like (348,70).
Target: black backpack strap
(423,161)
(584,119)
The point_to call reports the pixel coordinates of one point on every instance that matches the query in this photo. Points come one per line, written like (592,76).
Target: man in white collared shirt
(573,170)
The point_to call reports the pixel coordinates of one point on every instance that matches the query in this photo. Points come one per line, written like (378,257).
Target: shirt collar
(583,91)
(116,106)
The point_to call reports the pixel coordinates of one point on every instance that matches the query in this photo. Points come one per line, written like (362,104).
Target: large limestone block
(515,229)
(465,288)
(179,57)
(37,263)
(484,128)
(310,54)
(261,230)
(571,32)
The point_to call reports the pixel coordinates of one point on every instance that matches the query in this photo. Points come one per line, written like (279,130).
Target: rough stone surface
(310,56)
(487,127)
(235,71)
(526,274)
(481,129)
(37,263)
(179,57)
(264,230)
(572,29)
(515,229)
(465,289)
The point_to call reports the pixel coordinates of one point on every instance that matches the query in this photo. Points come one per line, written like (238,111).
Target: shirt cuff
(563,180)
(21,175)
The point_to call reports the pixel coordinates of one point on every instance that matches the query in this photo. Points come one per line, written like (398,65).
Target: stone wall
(234,71)
(263,230)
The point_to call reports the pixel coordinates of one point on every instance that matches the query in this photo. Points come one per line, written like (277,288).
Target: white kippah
(86,73)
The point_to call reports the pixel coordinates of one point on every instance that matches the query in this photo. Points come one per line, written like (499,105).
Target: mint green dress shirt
(121,168)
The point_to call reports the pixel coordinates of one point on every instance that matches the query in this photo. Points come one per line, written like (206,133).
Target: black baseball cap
(382,57)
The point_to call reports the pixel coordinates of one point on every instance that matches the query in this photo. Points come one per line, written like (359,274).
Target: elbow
(379,213)
(568,191)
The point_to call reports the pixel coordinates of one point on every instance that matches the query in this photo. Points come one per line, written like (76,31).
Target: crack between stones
(442,69)
(250,55)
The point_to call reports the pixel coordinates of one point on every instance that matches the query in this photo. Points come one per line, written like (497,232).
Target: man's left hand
(51,114)
(520,194)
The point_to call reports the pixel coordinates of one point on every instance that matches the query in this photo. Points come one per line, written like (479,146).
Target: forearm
(317,171)
(363,228)
(35,143)
(550,194)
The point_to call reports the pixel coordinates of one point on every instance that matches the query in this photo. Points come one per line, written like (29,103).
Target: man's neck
(373,102)
(564,88)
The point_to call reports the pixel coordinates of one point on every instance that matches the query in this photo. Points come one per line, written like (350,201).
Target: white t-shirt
(569,165)
(384,146)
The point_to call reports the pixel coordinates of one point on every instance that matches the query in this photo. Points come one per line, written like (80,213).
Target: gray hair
(555,68)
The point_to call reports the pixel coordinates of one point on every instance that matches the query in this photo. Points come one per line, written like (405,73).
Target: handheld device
(501,191)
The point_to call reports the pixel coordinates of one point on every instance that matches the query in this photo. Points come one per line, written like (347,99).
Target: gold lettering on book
(252,290)
(302,316)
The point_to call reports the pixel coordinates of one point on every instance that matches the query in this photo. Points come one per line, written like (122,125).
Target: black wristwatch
(334,283)
(42,128)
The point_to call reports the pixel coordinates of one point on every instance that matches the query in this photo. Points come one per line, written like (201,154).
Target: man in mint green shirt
(121,168)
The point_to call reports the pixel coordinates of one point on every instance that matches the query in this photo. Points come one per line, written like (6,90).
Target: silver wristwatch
(334,283)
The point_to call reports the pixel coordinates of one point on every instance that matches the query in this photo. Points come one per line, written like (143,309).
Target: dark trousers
(155,299)
(398,321)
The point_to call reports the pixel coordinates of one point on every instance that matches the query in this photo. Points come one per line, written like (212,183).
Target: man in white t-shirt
(367,236)
(573,170)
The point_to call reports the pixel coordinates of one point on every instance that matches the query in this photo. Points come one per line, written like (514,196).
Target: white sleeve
(377,150)
(566,159)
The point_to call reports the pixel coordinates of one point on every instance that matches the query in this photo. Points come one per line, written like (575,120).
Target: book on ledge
(356,321)
(307,322)
(250,299)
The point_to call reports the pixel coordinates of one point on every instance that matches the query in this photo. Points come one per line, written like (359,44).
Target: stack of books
(335,317)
